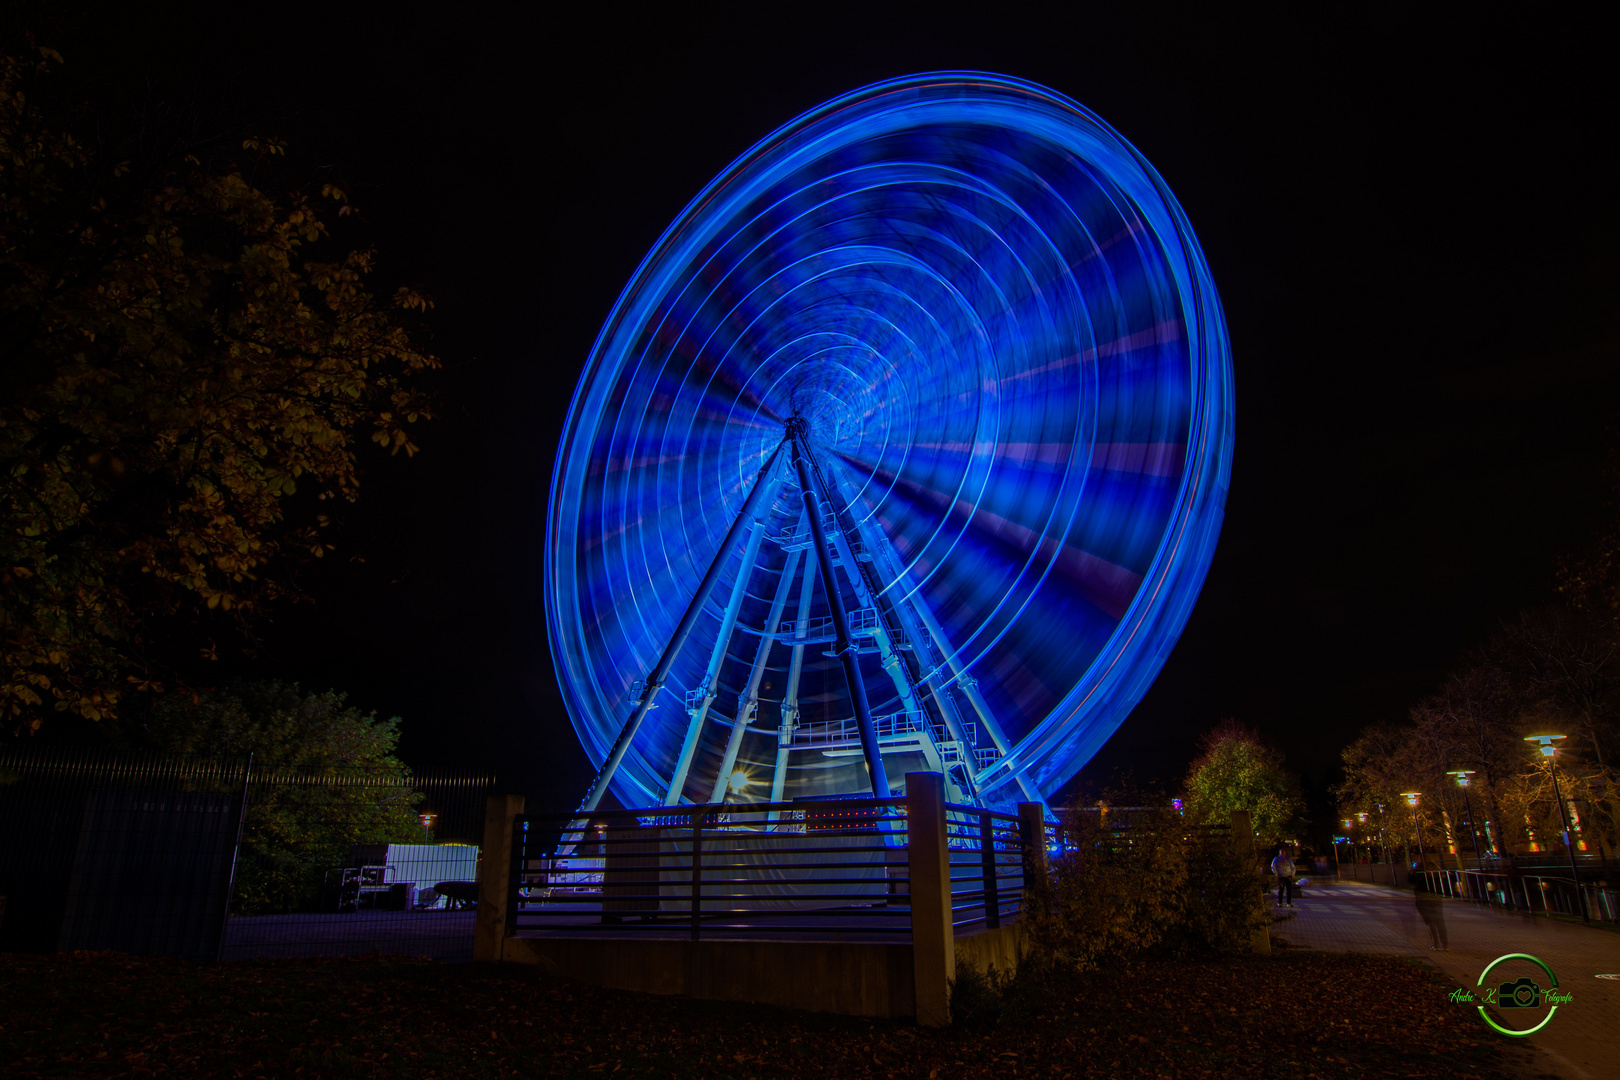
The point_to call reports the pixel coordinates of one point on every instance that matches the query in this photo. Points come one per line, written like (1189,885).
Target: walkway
(1583,1040)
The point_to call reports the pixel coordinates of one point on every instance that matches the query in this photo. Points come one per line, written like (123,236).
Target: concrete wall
(855,978)
(1002,949)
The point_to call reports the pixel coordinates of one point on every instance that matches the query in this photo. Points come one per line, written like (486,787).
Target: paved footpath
(1583,1040)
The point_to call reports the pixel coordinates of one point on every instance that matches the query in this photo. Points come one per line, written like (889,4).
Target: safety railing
(846,732)
(862,622)
(988,866)
(840,866)
(1544,893)
(789,868)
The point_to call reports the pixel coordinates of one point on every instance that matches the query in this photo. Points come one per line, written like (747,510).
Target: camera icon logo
(1516,998)
(1522,994)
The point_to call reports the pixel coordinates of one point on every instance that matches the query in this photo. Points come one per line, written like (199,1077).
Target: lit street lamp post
(1547,751)
(1463,776)
(1412,801)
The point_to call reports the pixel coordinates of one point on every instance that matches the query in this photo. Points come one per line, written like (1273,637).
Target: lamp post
(1383,845)
(1463,776)
(1412,801)
(1547,751)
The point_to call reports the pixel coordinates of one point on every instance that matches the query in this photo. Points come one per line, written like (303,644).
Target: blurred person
(1283,867)
(1433,909)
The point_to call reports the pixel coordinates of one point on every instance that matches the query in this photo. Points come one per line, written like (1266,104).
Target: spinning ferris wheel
(906,448)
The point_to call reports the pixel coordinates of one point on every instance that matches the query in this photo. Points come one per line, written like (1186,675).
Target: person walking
(1433,910)
(1283,867)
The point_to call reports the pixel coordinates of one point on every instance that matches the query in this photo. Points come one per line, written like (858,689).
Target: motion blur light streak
(1012,367)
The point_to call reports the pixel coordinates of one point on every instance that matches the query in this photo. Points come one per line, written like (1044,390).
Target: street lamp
(1547,751)
(1463,776)
(1412,801)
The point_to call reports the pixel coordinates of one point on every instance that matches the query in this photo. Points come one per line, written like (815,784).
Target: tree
(278,723)
(188,369)
(325,778)
(1237,770)
(1546,670)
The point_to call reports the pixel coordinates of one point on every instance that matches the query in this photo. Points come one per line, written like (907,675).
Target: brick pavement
(1581,1043)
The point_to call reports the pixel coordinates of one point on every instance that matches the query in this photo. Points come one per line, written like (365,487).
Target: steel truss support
(869,590)
(844,647)
(790,698)
(748,700)
(922,620)
(683,630)
(698,712)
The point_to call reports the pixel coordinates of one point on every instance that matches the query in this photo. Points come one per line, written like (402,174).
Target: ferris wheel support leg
(790,696)
(698,713)
(969,687)
(908,624)
(677,640)
(748,701)
(844,647)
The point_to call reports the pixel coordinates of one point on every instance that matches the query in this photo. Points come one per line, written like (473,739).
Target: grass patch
(1298,1014)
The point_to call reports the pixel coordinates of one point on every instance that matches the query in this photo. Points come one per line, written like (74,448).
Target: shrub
(1145,883)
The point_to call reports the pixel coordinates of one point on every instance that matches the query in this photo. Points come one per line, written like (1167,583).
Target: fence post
(1032,838)
(933,940)
(495,874)
(697,871)
(988,870)
(1243,844)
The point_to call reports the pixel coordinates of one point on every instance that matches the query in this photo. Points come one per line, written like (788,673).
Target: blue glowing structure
(949,344)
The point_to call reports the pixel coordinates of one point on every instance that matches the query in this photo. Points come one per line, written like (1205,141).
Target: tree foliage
(188,368)
(1556,670)
(1237,770)
(325,778)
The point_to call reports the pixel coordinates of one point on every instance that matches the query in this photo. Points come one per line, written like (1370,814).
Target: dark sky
(1413,227)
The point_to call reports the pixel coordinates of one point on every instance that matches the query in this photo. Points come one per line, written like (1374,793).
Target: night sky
(1413,226)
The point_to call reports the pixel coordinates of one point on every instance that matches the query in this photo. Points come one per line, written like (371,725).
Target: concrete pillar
(1243,844)
(933,940)
(495,876)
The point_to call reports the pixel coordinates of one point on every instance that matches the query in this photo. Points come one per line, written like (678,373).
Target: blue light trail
(1011,363)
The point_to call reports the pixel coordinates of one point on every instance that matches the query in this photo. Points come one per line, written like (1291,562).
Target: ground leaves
(1296,1014)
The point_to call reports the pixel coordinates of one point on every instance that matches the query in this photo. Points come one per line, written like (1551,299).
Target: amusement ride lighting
(967,317)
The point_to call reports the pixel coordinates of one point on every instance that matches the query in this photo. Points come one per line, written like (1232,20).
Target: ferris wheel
(905,448)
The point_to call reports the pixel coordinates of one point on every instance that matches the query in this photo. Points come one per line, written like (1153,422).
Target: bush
(980,998)
(1121,888)
(325,778)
